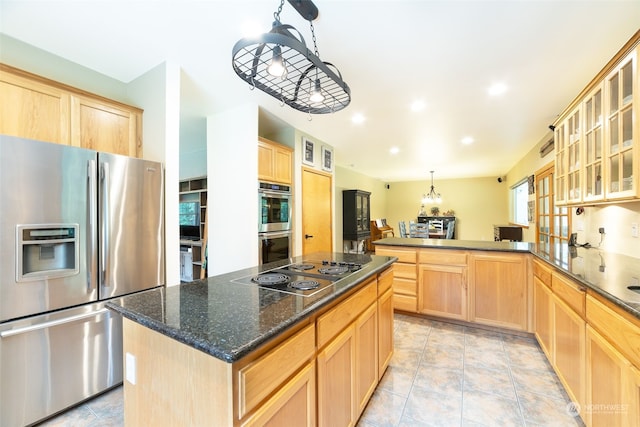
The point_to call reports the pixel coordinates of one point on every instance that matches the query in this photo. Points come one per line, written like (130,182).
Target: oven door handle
(275,194)
(274,235)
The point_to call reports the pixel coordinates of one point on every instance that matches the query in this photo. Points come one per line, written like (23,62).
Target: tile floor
(441,375)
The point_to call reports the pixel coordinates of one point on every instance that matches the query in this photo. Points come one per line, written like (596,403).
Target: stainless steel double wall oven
(274,224)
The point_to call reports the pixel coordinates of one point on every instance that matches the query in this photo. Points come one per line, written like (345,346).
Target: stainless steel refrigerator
(77,228)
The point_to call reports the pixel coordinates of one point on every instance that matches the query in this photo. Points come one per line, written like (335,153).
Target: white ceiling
(390,53)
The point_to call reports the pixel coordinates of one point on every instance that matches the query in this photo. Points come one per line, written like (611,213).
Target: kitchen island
(582,305)
(224,351)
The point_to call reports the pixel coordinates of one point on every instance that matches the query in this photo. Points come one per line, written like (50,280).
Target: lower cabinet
(543,316)
(404,277)
(569,350)
(366,356)
(609,382)
(385,331)
(499,288)
(336,381)
(442,290)
(294,404)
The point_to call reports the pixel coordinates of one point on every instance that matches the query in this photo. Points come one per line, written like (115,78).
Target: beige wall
(478,203)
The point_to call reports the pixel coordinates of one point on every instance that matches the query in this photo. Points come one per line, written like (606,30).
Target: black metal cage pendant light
(279,63)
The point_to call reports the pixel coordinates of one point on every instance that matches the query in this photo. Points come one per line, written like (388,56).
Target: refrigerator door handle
(104,225)
(44,325)
(92,233)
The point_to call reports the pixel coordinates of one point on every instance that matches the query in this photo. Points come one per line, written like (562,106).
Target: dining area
(424,228)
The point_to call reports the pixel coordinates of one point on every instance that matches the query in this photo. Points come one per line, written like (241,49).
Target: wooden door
(543,316)
(336,381)
(499,290)
(317,226)
(366,356)
(33,110)
(553,222)
(103,127)
(443,290)
(569,350)
(607,391)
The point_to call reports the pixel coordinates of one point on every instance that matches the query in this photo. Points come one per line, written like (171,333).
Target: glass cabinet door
(593,147)
(560,164)
(621,182)
(574,156)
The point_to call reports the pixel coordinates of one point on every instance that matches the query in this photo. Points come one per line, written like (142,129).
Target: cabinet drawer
(404,286)
(542,272)
(263,376)
(403,255)
(339,317)
(385,280)
(408,271)
(570,292)
(405,303)
(440,256)
(622,333)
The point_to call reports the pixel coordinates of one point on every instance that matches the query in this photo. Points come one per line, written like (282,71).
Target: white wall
(232,172)
(158,93)
(616,220)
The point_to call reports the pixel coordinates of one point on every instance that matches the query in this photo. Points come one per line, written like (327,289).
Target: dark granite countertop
(607,274)
(476,245)
(228,320)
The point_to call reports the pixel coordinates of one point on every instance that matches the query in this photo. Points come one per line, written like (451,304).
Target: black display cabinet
(356,216)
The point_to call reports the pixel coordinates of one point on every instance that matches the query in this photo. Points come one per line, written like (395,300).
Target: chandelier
(279,64)
(432,196)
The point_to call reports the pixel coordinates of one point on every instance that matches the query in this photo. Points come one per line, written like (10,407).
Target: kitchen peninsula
(225,351)
(582,305)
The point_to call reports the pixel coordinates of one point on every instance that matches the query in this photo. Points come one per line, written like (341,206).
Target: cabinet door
(282,165)
(337,382)
(385,331)
(105,127)
(443,290)
(294,404)
(608,371)
(569,350)
(33,110)
(265,161)
(499,290)
(366,356)
(543,316)
(620,84)
(593,147)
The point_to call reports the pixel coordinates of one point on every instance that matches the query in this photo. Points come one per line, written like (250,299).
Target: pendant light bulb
(316,95)
(277,68)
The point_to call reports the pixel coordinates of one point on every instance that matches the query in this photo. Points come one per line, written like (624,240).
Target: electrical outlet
(634,229)
(130,368)
(601,230)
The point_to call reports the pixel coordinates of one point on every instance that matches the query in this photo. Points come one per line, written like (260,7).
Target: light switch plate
(130,368)
(634,229)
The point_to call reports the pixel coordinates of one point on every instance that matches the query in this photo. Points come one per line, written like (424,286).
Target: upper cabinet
(274,162)
(36,108)
(597,135)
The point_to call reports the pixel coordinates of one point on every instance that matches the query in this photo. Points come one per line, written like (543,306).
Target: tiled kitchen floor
(441,375)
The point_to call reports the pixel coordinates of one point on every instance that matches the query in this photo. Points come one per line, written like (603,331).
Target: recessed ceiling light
(358,118)
(467,140)
(497,89)
(418,105)
(394,150)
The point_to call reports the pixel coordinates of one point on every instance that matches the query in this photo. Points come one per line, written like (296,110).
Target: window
(520,200)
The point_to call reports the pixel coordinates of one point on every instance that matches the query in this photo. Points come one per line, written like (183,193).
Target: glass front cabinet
(596,138)
(355,215)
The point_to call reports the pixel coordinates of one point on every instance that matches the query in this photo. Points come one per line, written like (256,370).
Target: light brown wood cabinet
(37,108)
(274,162)
(405,274)
(33,110)
(442,283)
(596,137)
(543,316)
(103,126)
(385,320)
(498,289)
